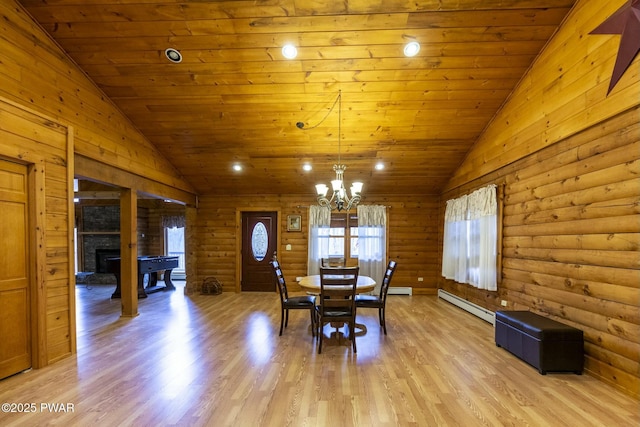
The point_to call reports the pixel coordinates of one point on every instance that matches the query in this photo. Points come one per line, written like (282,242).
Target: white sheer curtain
(470,239)
(454,251)
(372,242)
(319,224)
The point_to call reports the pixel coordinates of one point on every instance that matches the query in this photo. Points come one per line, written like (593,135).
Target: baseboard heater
(476,310)
(399,290)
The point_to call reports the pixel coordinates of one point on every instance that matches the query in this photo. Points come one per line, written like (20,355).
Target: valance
(173,221)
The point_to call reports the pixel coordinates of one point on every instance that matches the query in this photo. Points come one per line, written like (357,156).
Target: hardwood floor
(218,361)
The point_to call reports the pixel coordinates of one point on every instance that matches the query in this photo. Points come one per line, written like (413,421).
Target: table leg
(168,284)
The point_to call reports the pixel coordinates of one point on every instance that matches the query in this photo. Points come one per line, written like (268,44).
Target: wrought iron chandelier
(339,199)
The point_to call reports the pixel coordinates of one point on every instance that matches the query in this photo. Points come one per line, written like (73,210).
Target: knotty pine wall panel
(413,238)
(36,73)
(563,93)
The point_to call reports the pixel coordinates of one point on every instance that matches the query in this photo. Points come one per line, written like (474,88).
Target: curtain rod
(307,207)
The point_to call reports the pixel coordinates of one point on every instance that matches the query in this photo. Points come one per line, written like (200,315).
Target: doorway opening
(174,246)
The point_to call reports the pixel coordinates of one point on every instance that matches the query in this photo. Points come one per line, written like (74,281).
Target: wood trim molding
(71,223)
(37,250)
(94,170)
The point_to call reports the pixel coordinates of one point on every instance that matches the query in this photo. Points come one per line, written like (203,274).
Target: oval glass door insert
(259,241)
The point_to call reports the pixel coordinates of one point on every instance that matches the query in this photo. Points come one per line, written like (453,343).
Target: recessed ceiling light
(411,49)
(289,51)
(237,167)
(307,167)
(379,166)
(173,55)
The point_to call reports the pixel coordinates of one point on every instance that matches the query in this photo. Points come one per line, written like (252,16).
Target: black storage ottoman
(547,345)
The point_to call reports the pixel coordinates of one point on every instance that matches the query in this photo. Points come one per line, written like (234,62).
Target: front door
(15,339)
(259,234)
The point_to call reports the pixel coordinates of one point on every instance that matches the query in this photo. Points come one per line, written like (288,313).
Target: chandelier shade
(339,199)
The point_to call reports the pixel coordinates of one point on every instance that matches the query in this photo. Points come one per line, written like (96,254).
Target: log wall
(567,156)
(413,239)
(571,243)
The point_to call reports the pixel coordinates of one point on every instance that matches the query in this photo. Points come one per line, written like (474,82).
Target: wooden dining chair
(337,300)
(379,301)
(302,302)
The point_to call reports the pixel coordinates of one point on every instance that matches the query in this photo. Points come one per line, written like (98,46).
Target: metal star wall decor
(626,22)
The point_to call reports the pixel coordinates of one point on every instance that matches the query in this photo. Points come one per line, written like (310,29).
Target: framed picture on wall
(294,223)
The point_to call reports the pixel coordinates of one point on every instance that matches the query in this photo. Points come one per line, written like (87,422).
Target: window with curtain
(343,235)
(174,226)
(170,221)
(319,224)
(338,239)
(470,239)
(372,242)
(361,236)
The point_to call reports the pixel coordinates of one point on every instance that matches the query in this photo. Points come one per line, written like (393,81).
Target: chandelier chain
(339,199)
(301,125)
(339,121)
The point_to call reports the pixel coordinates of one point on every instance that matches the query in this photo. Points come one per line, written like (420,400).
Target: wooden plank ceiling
(235,99)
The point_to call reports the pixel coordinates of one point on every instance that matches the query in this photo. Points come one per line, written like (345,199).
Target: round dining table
(312,284)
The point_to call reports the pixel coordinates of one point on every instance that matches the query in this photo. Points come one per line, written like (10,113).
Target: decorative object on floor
(339,198)
(211,286)
(626,22)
